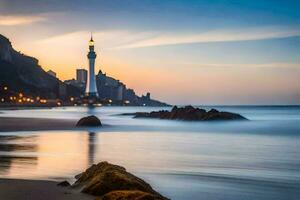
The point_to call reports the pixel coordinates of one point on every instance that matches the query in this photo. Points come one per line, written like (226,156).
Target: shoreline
(22,189)
(99,181)
(13,124)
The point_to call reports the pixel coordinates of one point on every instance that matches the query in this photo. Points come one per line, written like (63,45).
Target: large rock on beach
(129,195)
(189,113)
(89,121)
(112,182)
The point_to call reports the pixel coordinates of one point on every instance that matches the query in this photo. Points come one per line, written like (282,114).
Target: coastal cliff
(22,73)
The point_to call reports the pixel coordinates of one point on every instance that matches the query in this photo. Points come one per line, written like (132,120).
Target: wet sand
(9,124)
(15,189)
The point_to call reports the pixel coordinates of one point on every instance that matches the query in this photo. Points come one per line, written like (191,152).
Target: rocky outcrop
(5,49)
(89,121)
(129,195)
(111,182)
(189,113)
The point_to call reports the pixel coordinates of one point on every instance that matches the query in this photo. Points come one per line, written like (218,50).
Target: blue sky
(198,52)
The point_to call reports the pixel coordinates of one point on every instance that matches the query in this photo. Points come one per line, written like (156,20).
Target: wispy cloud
(128,39)
(107,39)
(112,39)
(246,34)
(242,65)
(20,20)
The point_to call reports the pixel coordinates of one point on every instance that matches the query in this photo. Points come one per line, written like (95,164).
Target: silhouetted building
(52,73)
(130,96)
(113,90)
(148,95)
(109,88)
(81,75)
(62,91)
(77,84)
(120,90)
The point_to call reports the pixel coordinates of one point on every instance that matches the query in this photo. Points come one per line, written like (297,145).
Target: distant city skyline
(183,52)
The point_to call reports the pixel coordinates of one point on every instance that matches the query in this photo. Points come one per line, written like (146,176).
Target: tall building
(91,89)
(81,75)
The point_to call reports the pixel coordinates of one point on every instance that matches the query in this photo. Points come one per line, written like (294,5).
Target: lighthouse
(91,88)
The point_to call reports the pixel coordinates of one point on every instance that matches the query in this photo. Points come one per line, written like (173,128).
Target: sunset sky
(183,52)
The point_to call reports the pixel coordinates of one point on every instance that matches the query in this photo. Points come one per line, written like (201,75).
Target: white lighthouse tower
(91,88)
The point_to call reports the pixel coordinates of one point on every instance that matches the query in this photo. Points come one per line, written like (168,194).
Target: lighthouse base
(91,95)
(91,98)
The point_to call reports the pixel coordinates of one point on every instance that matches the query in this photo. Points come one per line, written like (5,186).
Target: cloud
(130,39)
(107,39)
(243,65)
(246,34)
(112,39)
(19,20)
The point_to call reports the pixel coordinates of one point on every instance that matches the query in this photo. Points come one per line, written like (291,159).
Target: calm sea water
(256,159)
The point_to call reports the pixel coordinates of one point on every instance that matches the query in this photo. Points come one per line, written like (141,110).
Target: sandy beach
(10,124)
(17,189)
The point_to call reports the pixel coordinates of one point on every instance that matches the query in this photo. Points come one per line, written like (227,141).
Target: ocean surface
(242,160)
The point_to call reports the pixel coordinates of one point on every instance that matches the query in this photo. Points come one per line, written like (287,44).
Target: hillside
(22,73)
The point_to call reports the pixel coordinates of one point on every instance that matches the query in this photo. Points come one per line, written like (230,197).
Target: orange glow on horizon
(162,75)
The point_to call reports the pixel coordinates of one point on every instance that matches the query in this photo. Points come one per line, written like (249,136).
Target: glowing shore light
(110,101)
(20,95)
(5,88)
(127,102)
(43,101)
(58,103)
(72,99)
(2,100)
(20,100)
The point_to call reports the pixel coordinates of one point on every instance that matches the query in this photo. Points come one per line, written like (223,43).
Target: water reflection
(91,147)
(49,155)
(16,150)
(181,165)
(91,110)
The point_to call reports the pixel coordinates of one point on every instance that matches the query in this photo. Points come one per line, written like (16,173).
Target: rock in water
(189,113)
(111,182)
(64,184)
(89,121)
(213,114)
